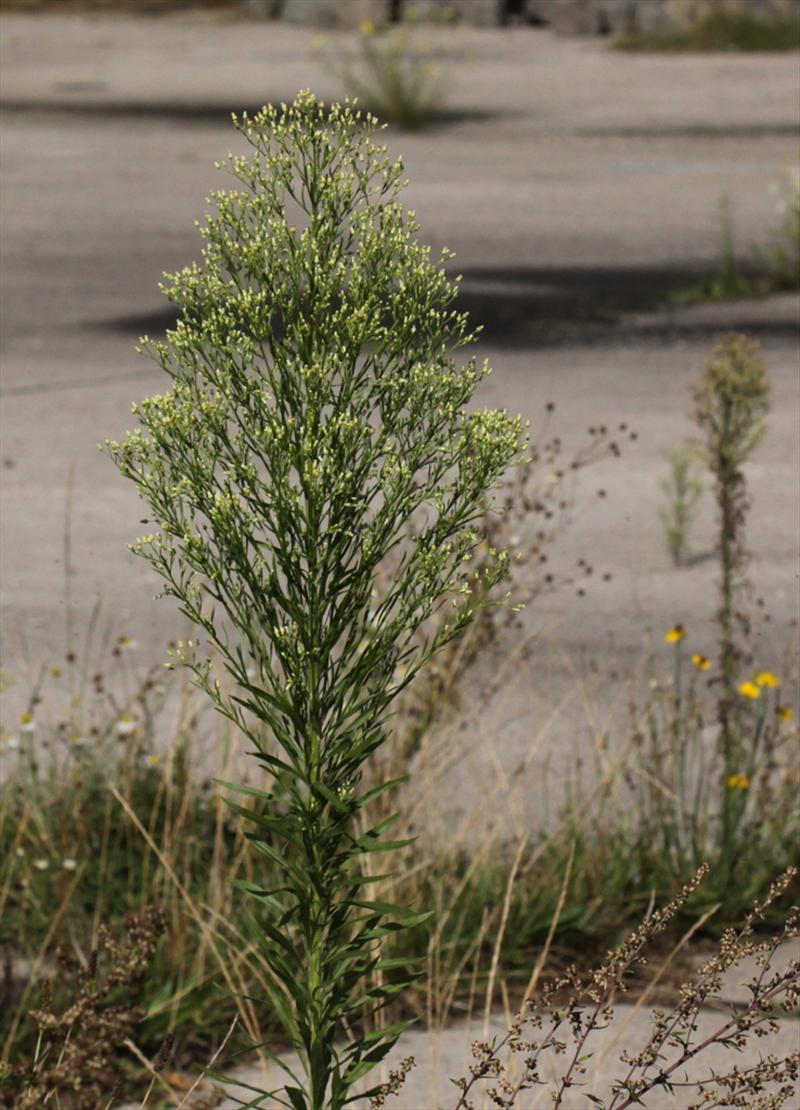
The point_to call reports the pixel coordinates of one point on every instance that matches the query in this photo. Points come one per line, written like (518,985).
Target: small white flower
(69,864)
(27,724)
(41,864)
(126,725)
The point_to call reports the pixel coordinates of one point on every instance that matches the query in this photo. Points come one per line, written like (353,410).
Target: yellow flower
(55,671)
(739,782)
(701,662)
(675,635)
(154,760)
(785,712)
(767,678)
(750,690)
(367,28)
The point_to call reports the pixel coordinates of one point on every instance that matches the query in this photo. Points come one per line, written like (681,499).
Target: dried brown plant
(75,1064)
(573,1008)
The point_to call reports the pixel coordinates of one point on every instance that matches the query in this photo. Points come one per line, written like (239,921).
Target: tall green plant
(731,404)
(317,430)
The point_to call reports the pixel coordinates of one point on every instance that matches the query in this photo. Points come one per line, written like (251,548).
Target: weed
(392,73)
(563,1025)
(691,799)
(98,817)
(730,282)
(85,1019)
(771,269)
(317,428)
(781,260)
(683,488)
(731,403)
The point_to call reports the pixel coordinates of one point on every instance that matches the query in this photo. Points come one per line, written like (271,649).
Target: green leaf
(390,909)
(297,1097)
(369,846)
(377,791)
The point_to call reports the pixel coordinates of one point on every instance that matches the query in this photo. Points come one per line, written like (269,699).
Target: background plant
(709,774)
(561,1028)
(316,427)
(86,1019)
(770,268)
(393,73)
(730,281)
(105,809)
(731,403)
(537,502)
(717,25)
(683,488)
(782,257)
(691,801)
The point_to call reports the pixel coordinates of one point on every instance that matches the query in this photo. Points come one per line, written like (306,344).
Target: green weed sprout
(729,282)
(317,429)
(783,255)
(682,488)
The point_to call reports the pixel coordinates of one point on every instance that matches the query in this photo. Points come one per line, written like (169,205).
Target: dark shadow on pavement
(548,306)
(690,131)
(193,112)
